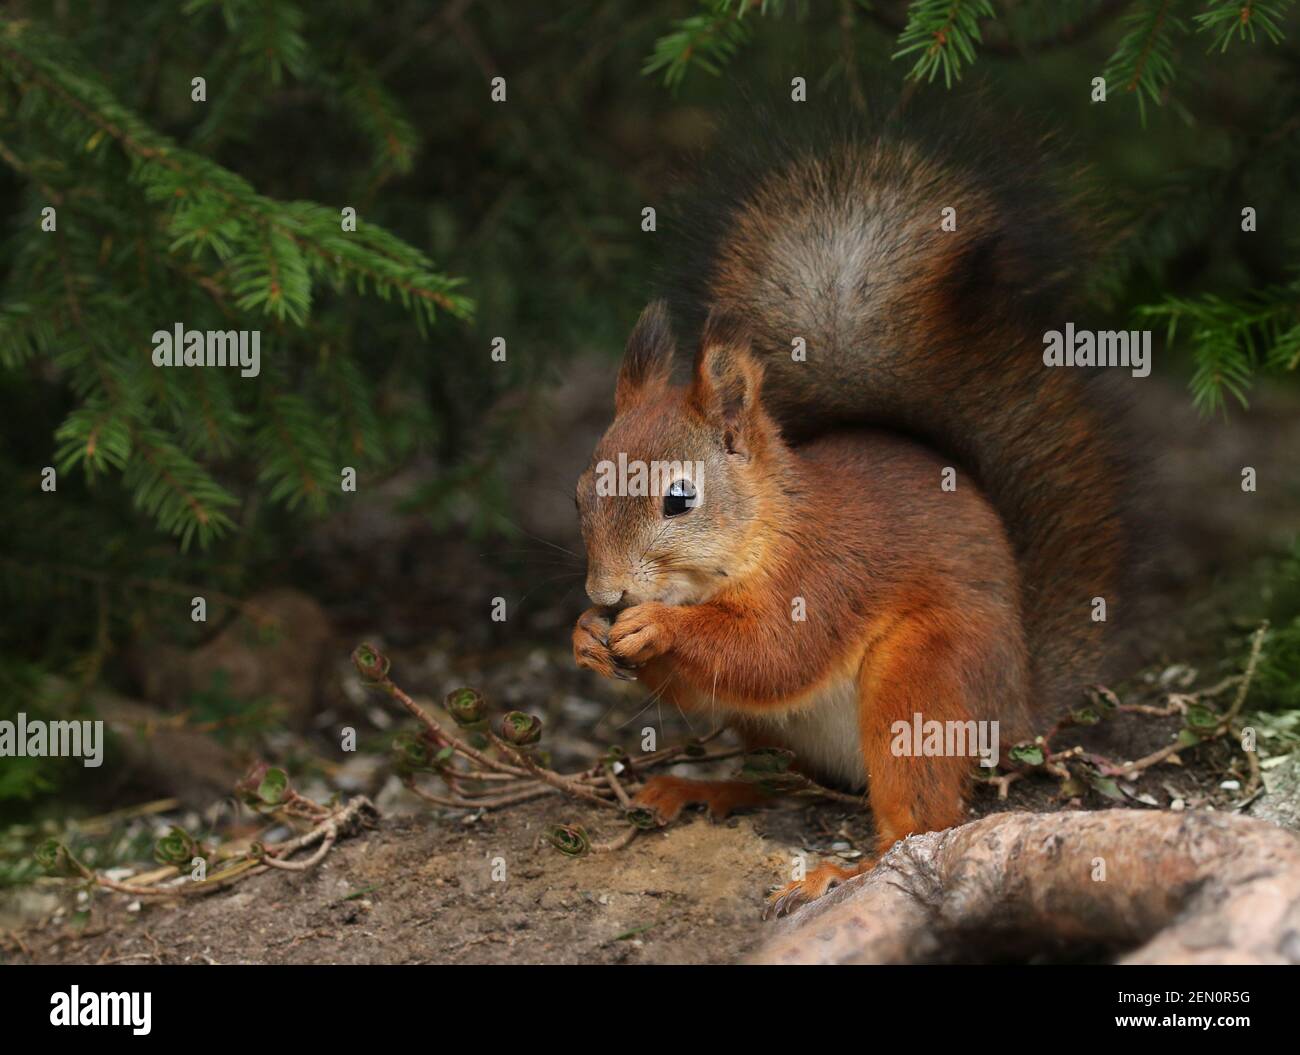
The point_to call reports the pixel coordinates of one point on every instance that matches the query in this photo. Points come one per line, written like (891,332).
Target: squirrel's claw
(784,900)
(591,647)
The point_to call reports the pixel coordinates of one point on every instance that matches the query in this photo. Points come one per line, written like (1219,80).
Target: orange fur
(667,796)
(919,618)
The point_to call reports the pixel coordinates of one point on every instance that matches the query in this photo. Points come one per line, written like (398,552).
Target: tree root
(1167,888)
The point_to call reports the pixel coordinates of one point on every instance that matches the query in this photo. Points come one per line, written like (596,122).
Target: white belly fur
(820,728)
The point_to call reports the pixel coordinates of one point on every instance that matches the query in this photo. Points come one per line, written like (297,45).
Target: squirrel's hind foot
(824,877)
(667,796)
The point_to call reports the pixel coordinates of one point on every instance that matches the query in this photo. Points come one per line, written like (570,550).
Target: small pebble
(1178,676)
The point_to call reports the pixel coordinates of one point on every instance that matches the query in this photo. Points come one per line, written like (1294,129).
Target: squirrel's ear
(727,380)
(649,357)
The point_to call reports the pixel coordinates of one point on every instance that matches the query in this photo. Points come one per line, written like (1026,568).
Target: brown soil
(420,888)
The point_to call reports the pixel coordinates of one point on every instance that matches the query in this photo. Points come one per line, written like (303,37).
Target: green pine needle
(942,34)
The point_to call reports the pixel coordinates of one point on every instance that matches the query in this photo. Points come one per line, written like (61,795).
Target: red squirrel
(944,511)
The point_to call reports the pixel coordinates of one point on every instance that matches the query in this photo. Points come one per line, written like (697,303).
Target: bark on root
(1143,887)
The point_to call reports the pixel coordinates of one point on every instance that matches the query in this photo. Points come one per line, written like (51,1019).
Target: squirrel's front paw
(641,633)
(591,646)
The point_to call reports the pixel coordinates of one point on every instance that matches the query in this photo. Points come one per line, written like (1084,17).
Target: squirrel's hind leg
(925,665)
(668,795)
(918,669)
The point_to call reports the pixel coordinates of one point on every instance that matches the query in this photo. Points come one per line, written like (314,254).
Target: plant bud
(520,729)
(466,706)
(177,848)
(371,664)
(570,839)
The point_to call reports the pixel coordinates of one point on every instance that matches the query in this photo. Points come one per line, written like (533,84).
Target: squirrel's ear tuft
(649,357)
(728,378)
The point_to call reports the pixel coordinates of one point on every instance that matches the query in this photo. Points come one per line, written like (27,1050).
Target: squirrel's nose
(607,597)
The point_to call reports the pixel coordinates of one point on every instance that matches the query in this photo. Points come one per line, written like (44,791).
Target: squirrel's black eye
(679,498)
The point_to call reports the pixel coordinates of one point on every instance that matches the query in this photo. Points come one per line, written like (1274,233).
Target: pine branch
(1011,42)
(294,453)
(96,436)
(945,33)
(1143,61)
(207,202)
(1232,341)
(379,116)
(206,415)
(268,34)
(357,422)
(708,40)
(25,332)
(175,490)
(152,213)
(1227,19)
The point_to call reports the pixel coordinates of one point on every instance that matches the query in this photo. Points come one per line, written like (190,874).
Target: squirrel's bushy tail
(836,237)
